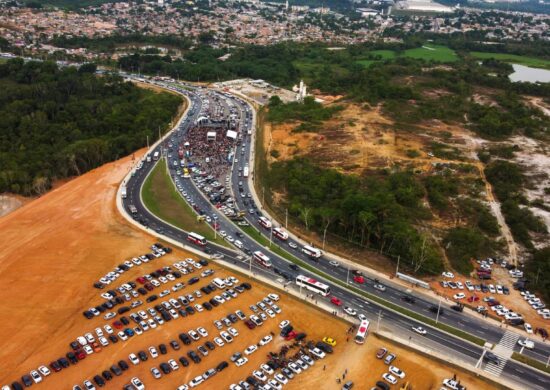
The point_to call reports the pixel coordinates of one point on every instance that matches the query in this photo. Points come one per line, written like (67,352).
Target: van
(218,283)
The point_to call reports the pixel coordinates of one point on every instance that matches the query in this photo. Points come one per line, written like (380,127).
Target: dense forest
(377,211)
(62,122)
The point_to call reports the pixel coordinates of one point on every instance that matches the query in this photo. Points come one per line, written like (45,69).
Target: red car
(291,335)
(493,303)
(359,279)
(473,298)
(80,354)
(118,325)
(149,286)
(216,226)
(381,353)
(249,324)
(55,366)
(141,280)
(336,301)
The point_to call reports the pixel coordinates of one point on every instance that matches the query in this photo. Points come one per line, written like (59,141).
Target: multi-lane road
(395,322)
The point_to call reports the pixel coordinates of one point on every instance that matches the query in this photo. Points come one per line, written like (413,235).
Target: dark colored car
(64,362)
(27,381)
(213,302)
(123,309)
(185,339)
(324,347)
(149,286)
(183,360)
(408,298)
(203,262)
(190,310)
(293,267)
(207,306)
(210,345)
(193,356)
(491,357)
(252,381)
(142,291)
(119,300)
(435,309)
(165,368)
(74,345)
(142,356)
(123,365)
(124,320)
(174,344)
(300,336)
(116,370)
(99,285)
(382,385)
(222,366)
(99,381)
(88,314)
(72,357)
(182,312)
(113,338)
(162,349)
(193,280)
(165,316)
(176,274)
(107,375)
(249,324)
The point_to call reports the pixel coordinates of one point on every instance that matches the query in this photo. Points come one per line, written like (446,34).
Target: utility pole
(397,268)
(270,233)
(347,277)
(438,310)
(147,143)
(324,238)
(548,361)
(286,218)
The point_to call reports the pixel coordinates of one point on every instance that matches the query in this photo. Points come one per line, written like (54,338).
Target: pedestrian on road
(324,367)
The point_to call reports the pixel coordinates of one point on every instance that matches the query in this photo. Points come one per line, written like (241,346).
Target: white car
(259,375)
(362,317)
(459,296)
(133,358)
(251,349)
(196,381)
(122,336)
(528,328)
(219,341)
(88,349)
(266,340)
(273,384)
(419,330)
(281,378)
(284,323)
(108,329)
(449,275)
(334,263)
(173,364)
(527,343)
(241,362)
(273,297)
(36,376)
(265,368)
(460,285)
(307,359)
(233,332)
(238,244)
(350,311)
(153,352)
(389,378)
(397,372)
(198,307)
(294,367)
(45,371)
(226,336)
(138,384)
(317,352)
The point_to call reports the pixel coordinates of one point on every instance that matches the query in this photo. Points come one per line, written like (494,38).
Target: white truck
(123,192)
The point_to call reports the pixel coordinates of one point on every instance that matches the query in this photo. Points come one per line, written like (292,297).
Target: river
(531,75)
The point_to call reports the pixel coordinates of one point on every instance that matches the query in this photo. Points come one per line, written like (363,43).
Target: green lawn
(430,52)
(163,200)
(512,58)
(427,52)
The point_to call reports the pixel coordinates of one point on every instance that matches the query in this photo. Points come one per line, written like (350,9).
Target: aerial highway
(395,322)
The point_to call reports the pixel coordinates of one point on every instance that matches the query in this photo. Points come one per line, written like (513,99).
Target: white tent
(231,134)
(211,136)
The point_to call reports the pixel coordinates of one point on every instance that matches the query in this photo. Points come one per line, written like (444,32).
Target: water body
(530,75)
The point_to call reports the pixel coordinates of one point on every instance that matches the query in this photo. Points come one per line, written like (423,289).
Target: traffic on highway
(200,178)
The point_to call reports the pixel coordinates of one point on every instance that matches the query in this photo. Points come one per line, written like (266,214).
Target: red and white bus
(280,234)
(266,223)
(196,239)
(312,285)
(312,252)
(362,332)
(262,259)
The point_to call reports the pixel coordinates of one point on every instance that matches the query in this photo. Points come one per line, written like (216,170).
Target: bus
(362,332)
(156,156)
(280,234)
(262,259)
(196,239)
(266,223)
(312,252)
(312,285)
(245,171)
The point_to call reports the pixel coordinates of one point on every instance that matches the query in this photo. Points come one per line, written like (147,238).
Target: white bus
(280,234)
(312,252)
(266,223)
(196,239)
(312,285)
(156,156)
(262,259)
(362,332)
(245,171)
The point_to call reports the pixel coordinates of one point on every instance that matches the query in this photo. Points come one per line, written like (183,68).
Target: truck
(123,192)
(245,171)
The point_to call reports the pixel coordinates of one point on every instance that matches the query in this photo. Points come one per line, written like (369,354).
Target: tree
(305,214)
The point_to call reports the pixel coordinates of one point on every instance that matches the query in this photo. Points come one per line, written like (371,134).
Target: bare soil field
(56,246)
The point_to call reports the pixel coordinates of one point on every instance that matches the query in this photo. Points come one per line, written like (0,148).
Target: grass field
(162,199)
(427,52)
(512,58)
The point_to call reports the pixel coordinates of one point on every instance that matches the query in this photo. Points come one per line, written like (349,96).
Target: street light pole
(270,233)
(347,277)
(397,268)
(286,218)
(438,310)
(379,318)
